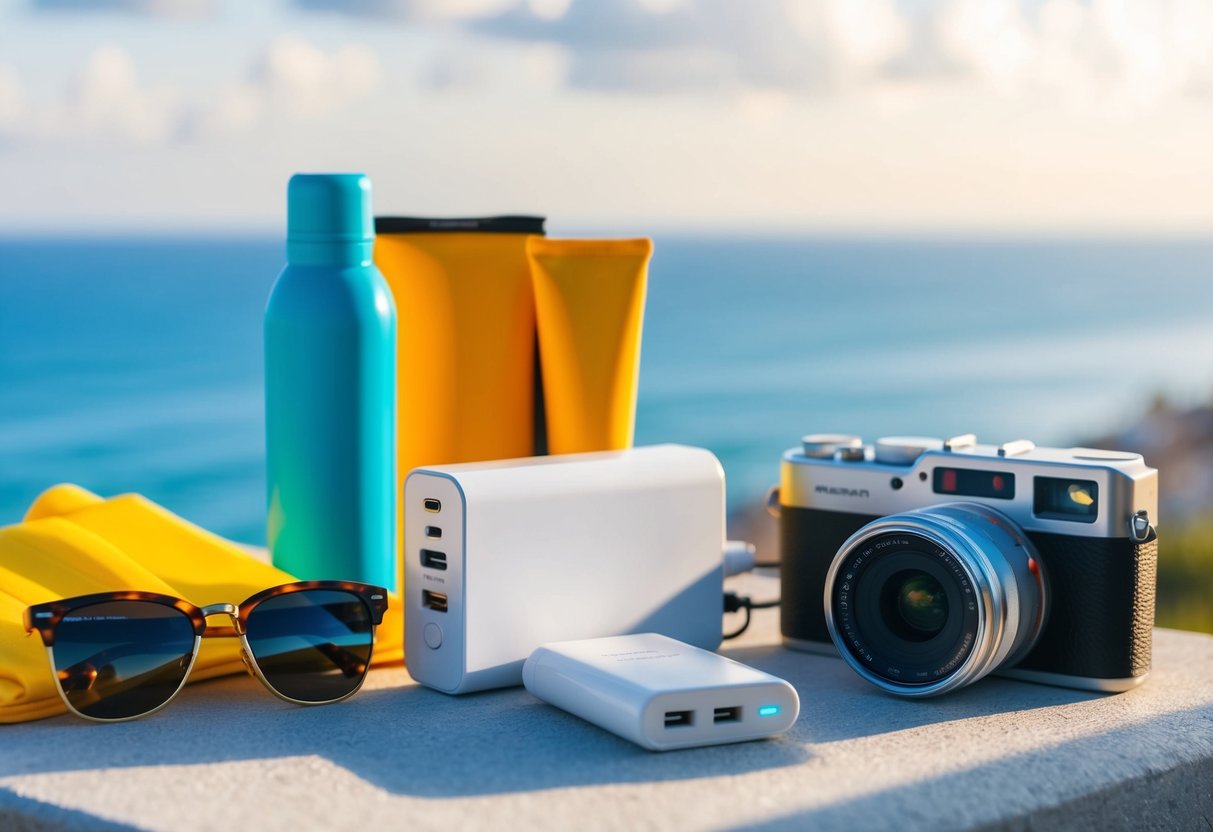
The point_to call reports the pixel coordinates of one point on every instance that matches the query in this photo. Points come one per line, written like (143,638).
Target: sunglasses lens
(119,659)
(313,645)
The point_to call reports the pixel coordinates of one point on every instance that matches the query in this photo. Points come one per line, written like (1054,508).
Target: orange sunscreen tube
(589,305)
(465,342)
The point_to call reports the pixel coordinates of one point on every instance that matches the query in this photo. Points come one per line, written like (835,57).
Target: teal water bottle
(330,390)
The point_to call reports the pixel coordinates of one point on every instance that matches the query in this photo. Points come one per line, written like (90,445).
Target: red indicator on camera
(965,482)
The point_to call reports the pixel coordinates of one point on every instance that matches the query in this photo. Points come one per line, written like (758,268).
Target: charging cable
(743,603)
(740,557)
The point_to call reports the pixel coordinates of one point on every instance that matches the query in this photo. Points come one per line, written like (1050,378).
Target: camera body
(1086,515)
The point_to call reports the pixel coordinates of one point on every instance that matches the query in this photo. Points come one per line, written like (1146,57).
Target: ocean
(135,364)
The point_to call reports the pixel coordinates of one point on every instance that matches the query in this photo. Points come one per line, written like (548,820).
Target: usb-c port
(435,601)
(434,532)
(727,715)
(431,505)
(675,719)
(433,560)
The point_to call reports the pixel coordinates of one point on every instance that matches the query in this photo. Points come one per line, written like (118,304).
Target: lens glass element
(917,607)
(120,659)
(313,645)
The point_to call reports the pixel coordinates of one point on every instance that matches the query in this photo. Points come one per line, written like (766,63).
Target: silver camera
(939,562)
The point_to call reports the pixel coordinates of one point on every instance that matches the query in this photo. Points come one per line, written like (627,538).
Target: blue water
(135,365)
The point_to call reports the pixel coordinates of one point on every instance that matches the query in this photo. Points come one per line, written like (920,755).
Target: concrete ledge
(1179,798)
(1000,754)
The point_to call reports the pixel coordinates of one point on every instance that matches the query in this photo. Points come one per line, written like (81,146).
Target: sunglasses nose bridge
(230,610)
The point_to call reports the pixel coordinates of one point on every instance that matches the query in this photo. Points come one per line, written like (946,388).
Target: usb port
(432,505)
(433,560)
(727,714)
(435,601)
(674,719)
(434,532)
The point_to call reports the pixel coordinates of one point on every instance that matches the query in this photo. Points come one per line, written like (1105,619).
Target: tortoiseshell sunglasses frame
(45,618)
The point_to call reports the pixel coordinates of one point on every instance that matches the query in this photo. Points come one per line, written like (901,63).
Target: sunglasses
(122,655)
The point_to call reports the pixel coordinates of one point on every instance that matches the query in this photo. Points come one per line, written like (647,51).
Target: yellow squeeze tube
(589,305)
(465,343)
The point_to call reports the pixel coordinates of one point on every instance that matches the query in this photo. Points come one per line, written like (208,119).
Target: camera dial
(904,450)
(825,445)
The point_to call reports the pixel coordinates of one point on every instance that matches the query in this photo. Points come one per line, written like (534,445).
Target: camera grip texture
(1101,606)
(808,540)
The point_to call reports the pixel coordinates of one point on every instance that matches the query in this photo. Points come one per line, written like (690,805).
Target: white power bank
(501,557)
(660,693)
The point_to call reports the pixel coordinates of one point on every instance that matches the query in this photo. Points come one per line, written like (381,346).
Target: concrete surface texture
(228,755)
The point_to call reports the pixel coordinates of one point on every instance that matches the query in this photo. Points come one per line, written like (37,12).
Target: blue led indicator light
(768,710)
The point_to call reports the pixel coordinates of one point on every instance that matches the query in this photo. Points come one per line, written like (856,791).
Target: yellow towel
(73,542)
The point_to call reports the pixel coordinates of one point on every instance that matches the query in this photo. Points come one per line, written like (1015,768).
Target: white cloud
(104,100)
(294,79)
(12,96)
(1112,56)
(303,80)
(712,45)
(866,32)
(992,39)
(107,99)
(548,9)
(1102,54)
(412,10)
(1118,55)
(151,8)
(237,107)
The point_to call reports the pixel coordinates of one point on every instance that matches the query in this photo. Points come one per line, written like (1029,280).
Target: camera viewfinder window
(1074,500)
(960,482)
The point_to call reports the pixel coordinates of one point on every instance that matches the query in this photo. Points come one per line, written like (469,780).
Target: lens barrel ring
(982,592)
(993,555)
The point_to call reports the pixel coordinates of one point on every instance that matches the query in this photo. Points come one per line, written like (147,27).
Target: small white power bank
(660,693)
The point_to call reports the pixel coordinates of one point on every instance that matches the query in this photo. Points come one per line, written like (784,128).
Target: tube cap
(328,215)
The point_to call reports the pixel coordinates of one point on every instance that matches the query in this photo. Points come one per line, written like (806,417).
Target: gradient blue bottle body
(330,391)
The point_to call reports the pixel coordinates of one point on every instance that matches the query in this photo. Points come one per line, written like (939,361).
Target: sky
(749,116)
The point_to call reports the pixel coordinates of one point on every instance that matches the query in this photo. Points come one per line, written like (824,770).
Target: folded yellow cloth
(73,542)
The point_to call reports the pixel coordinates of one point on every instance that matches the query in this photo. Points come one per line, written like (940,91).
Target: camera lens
(928,601)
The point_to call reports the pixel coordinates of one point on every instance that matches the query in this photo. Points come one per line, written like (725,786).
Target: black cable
(745,626)
(763,605)
(766,564)
(734,602)
(743,603)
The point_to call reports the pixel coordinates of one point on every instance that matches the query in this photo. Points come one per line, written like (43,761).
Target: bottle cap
(328,217)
